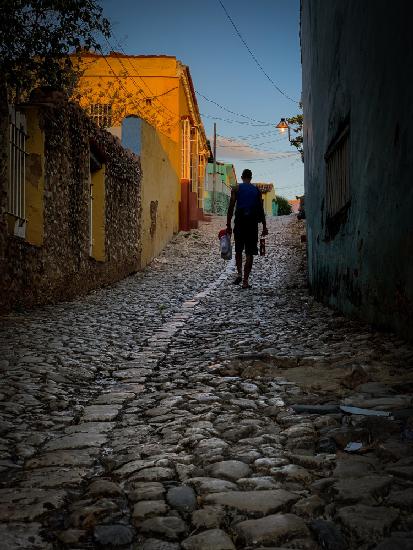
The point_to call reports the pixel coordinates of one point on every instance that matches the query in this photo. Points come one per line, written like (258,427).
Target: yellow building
(268,196)
(149,103)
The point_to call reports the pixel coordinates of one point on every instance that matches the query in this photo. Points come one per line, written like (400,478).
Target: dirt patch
(330,377)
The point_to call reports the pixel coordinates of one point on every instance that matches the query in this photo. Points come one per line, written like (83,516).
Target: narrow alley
(176,410)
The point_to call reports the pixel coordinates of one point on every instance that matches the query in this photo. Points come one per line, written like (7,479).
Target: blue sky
(201,36)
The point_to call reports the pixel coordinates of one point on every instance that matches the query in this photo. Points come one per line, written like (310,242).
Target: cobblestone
(176,410)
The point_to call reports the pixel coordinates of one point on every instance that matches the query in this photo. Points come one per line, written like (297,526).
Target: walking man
(248,214)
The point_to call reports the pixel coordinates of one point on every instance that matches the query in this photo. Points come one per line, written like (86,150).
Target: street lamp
(283,126)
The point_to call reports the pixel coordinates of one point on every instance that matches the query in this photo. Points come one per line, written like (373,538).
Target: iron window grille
(201,180)
(186,149)
(16,195)
(101,114)
(338,174)
(194,159)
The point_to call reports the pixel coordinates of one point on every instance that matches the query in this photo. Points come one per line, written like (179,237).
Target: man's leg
(247,270)
(238,262)
(239,245)
(251,242)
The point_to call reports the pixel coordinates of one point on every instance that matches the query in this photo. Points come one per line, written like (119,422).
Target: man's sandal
(237,281)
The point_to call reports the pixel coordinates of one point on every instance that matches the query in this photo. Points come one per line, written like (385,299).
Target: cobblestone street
(176,410)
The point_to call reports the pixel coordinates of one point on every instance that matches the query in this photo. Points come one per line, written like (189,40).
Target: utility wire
(243,145)
(118,77)
(139,76)
(253,135)
(268,159)
(131,76)
(164,93)
(254,57)
(125,90)
(153,96)
(247,140)
(235,121)
(229,110)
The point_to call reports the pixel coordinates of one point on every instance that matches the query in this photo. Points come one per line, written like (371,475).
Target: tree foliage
(284,207)
(296,126)
(36,37)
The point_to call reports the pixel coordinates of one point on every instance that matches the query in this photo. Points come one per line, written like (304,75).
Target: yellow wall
(34,179)
(98,215)
(139,79)
(268,198)
(132,92)
(159,187)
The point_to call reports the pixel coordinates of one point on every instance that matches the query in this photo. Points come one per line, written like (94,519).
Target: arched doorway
(132,134)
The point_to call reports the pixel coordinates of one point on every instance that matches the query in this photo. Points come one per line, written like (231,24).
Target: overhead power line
(232,112)
(251,136)
(239,142)
(266,124)
(254,56)
(118,78)
(272,158)
(152,96)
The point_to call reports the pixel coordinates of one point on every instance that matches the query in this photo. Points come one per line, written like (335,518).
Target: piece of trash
(353,446)
(366,412)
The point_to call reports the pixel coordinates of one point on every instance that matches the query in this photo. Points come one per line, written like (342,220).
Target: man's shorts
(246,235)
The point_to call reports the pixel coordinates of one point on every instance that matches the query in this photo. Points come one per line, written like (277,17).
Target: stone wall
(356,58)
(61,266)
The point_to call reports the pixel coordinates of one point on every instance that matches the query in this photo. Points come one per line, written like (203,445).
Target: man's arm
(231,207)
(262,216)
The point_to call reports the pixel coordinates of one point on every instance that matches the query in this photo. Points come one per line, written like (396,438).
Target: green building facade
(225,179)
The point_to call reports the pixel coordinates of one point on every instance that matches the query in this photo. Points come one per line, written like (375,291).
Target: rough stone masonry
(176,411)
(62,265)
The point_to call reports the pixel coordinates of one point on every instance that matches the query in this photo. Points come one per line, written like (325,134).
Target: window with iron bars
(201,180)
(338,174)
(194,159)
(101,114)
(186,149)
(16,196)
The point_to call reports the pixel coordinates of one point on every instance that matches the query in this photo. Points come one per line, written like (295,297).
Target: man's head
(246,175)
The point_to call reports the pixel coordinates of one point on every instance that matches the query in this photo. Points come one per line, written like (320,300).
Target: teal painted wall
(225,179)
(221,201)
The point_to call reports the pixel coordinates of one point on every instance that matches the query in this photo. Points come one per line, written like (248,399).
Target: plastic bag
(225,245)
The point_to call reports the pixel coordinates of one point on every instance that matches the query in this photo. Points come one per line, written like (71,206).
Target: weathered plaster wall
(159,90)
(225,178)
(160,192)
(62,267)
(356,59)
(130,94)
(221,202)
(35,173)
(268,198)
